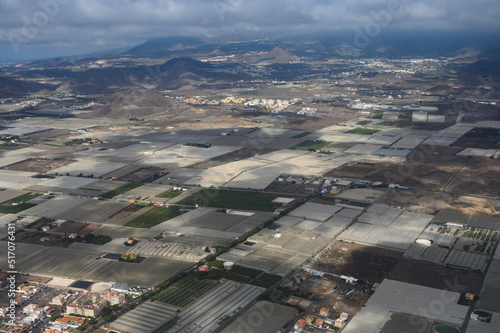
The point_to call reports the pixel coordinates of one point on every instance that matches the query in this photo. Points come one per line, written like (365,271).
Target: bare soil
(141,174)
(40,165)
(70,227)
(126,212)
(436,276)
(481,176)
(431,202)
(35,239)
(427,167)
(370,264)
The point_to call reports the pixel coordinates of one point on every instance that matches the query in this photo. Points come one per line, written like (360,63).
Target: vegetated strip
(301,135)
(20,204)
(249,200)
(155,216)
(365,131)
(311,145)
(170,194)
(121,190)
(184,292)
(241,274)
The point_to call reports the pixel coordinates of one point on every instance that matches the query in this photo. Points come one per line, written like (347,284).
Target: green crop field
(8,208)
(155,216)
(185,292)
(24,197)
(250,200)
(311,145)
(121,190)
(365,131)
(169,194)
(356,169)
(241,274)
(301,135)
(266,280)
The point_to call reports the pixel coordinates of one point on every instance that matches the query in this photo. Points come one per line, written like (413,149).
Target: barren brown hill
(442,89)
(276,55)
(385,78)
(134,103)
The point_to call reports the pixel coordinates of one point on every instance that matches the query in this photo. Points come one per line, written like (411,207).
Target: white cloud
(114,23)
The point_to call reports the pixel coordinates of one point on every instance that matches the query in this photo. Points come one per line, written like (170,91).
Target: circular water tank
(482,315)
(228,264)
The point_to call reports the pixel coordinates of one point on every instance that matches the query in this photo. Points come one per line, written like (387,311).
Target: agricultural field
(155,216)
(121,190)
(146,174)
(241,274)
(356,169)
(430,167)
(249,200)
(301,135)
(18,204)
(367,263)
(364,131)
(40,165)
(170,194)
(266,280)
(185,292)
(480,176)
(484,138)
(435,275)
(311,145)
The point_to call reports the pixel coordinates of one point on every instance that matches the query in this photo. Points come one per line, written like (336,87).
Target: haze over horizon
(37,29)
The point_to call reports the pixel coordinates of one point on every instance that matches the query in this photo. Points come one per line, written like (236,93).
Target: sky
(34,29)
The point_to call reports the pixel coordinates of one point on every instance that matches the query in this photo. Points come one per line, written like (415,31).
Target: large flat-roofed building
(403,305)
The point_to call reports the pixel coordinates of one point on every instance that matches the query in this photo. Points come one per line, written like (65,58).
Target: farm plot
(375,235)
(185,292)
(170,249)
(311,145)
(155,216)
(249,200)
(315,212)
(92,211)
(88,168)
(18,204)
(476,262)
(121,190)
(366,263)
(55,206)
(380,214)
(40,165)
(210,311)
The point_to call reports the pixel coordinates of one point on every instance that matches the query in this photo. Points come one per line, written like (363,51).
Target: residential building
(71,321)
(113,297)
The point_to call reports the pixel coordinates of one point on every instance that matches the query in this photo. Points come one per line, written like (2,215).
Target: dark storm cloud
(78,25)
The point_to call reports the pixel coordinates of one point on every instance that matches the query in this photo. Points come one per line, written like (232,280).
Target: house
(324,312)
(299,324)
(319,322)
(339,323)
(19,328)
(71,321)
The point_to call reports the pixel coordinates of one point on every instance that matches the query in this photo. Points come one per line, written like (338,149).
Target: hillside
(136,102)
(11,88)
